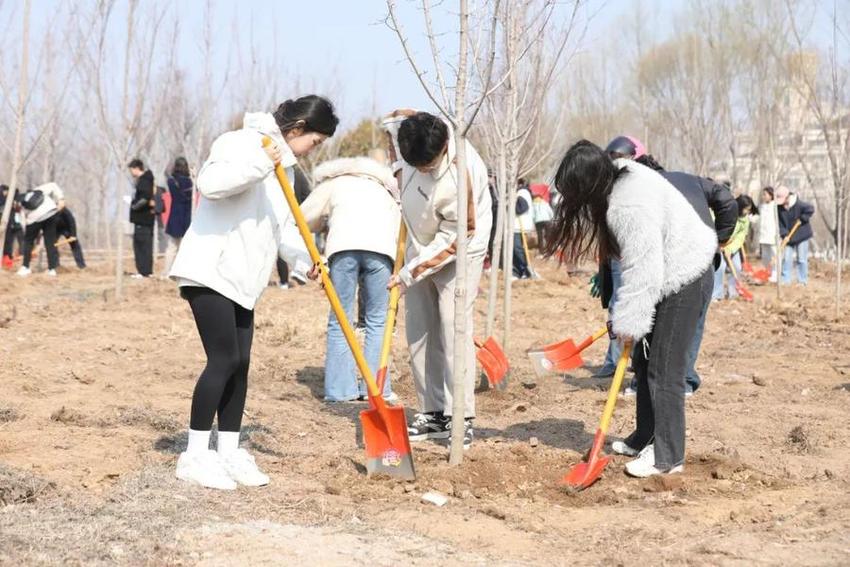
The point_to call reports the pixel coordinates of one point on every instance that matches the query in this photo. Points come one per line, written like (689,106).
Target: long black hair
(312,112)
(181,167)
(745,201)
(585,179)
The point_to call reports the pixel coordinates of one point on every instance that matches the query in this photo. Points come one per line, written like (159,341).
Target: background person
(142,207)
(180,208)
(66,226)
(768,230)
(40,207)
(791,210)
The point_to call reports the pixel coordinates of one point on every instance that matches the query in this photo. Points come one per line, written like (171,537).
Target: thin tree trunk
(780,253)
(119,191)
(496,256)
(21,112)
(461,332)
(840,223)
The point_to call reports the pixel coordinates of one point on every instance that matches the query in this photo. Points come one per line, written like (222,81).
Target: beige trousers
(429,318)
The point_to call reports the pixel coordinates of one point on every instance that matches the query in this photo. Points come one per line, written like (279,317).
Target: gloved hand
(594,286)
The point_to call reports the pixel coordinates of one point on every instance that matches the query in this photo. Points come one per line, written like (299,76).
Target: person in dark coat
(14,230)
(792,210)
(180,210)
(142,216)
(66,225)
(715,206)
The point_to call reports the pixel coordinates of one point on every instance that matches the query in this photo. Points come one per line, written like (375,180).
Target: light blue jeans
(732,293)
(373,271)
(613,354)
(801,251)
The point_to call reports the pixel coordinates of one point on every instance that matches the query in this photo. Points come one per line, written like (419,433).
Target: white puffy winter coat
(243,221)
(664,245)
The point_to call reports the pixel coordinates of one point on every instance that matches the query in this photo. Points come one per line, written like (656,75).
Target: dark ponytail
(649,161)
(314,112)
(585,180)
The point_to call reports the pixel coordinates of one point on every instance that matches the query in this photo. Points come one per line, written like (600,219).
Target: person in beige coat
(356,200)
(428,187)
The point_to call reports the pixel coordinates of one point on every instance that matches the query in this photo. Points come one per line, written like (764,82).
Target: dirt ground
(94,408)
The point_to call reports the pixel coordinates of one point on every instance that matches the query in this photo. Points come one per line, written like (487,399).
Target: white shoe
(137,276)
(23,271)
(644,465)
(242,468)
(392,399)
(629,391)
(620,448)
(283,285)
(51,273)
(204,468)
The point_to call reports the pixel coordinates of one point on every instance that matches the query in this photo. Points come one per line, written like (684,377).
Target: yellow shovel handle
(789,235)
(616,383)
(395,293)
(730,264)
(333,298)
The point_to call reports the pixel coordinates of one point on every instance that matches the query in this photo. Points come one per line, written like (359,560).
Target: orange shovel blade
(563,349)
(747,267)
(387,443)
(761,276)
(493,360)
(583,475)
(744,292)
(571,363)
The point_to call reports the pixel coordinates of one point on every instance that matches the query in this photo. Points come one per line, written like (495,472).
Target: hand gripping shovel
(392,311)
(739,285)
(384,427)
(587,472)
(564,355)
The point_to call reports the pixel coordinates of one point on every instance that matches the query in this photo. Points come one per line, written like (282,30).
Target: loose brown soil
(95,398)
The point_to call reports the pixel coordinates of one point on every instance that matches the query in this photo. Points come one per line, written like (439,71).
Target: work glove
(594,286)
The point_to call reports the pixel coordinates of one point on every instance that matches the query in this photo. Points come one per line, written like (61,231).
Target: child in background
(746,207)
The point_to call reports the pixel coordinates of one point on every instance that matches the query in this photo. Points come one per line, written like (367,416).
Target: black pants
(48,229)
(541,227)
(282,271)
(660,363)
(143,248)
(520,261)
(13,233)
(226,331)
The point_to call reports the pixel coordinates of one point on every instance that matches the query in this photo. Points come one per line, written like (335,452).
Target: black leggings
(226,331)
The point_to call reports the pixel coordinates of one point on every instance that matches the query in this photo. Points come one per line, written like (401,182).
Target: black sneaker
(428,426)
(468,433)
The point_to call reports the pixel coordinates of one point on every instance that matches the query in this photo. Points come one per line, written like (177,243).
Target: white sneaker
(51,273)
(242,468)
(137,277)
(629,391)
(620,448)
(23,271)
(204,468)
(392,399)
(644,465)
(283,285)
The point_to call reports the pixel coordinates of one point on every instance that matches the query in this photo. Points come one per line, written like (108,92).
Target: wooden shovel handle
(328,285)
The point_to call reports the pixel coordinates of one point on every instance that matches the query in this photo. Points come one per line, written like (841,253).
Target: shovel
(392,311)
(745,264)
(587,472)
(565,355)
(763,275)
(493,360)
(384,427)
(531,270)
(739,285)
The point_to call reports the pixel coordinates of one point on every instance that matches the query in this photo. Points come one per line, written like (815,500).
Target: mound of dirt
(18,487)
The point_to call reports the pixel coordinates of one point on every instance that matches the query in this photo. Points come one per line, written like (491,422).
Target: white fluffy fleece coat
(664,245)
(357,199)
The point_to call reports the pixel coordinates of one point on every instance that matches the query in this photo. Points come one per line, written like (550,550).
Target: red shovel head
(748,268)
(571,363)
(493,360)
(743,291)
(387,443)
(761,276)
(584,474)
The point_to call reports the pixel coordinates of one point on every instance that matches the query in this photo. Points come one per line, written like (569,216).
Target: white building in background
(797,157)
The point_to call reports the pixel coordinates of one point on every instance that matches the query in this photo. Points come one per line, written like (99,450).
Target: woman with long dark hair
(624,210)
(180,210)
(241,225)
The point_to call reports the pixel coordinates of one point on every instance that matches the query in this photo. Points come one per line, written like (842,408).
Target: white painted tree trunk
(20,111)
(461,332)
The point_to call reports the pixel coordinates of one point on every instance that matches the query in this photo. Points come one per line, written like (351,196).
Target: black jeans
(541,227)
(48,229)
(143,248)
(13,233)
(660,362)
(520,261)
(227,331)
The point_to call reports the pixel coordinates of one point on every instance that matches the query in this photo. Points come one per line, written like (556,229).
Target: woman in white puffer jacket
(624,210)
(240,227)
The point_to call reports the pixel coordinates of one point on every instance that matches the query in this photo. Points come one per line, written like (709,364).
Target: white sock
(199,441)
(228,442)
